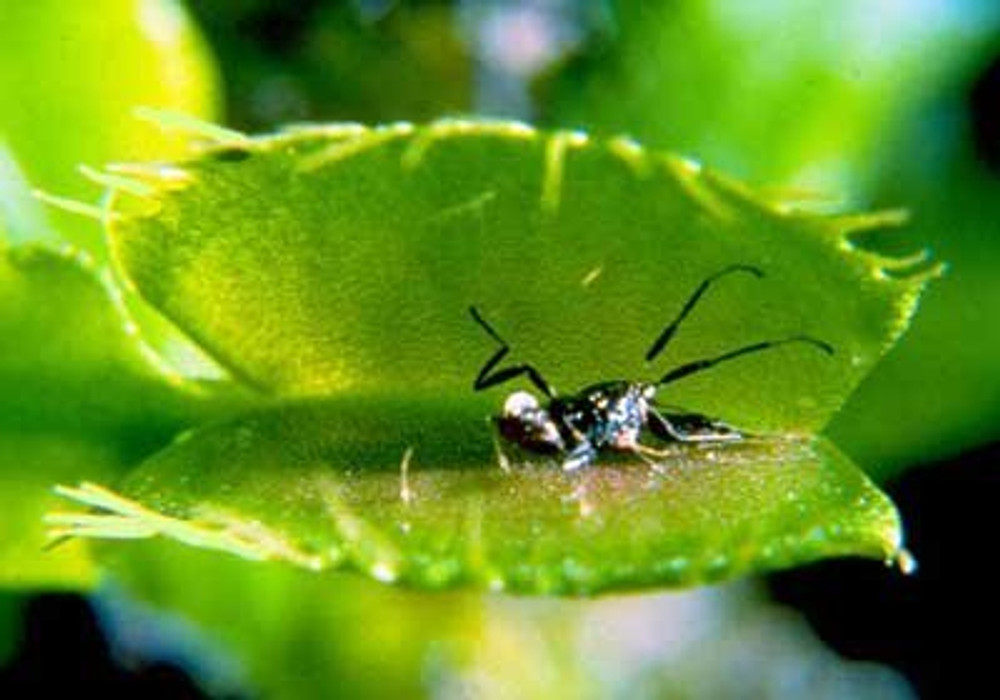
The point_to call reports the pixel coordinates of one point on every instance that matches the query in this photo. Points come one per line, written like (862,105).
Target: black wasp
(611,415)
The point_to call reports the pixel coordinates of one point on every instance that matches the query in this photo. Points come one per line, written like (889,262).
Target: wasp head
(525,422)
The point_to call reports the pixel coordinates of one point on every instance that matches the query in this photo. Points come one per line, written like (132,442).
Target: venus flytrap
(330,268)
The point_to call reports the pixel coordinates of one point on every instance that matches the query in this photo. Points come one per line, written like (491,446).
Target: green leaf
(80,398)
(411,493)
(344,259)
(71,75)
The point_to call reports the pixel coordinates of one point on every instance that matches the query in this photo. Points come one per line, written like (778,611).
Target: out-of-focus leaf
(297,635)
(71,75)
(412,493)
(342,258)
(22,216)
(71,78)
(786,92)
(69,362)
(79,399)
(939,391)
(29,466)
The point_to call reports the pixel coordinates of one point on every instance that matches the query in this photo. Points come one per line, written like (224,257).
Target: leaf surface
(938,393)
(344,259)
(395,491)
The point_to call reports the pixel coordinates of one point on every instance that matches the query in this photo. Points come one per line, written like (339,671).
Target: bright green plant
(334,266)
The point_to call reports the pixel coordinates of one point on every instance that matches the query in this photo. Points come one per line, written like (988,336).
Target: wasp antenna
(489,375)
(701,365)
(486,326)
(821,344)
(661,341)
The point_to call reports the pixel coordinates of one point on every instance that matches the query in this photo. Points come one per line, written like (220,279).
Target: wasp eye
(518,403)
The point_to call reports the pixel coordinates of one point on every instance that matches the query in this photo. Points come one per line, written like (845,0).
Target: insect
(612,415)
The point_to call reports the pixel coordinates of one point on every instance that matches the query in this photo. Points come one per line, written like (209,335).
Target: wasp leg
(649,455)
(580,456)
(645,452)
(696,428)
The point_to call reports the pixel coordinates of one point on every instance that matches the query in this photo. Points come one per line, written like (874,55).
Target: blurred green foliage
(80,393)
(70,80)
(796,94)
(299,635)
(939,391)
(81,399)
(296,634)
